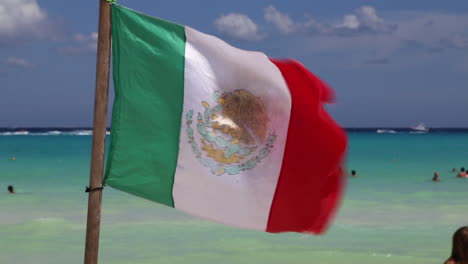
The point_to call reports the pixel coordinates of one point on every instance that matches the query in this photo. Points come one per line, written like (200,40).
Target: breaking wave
(386,131)
(81,132)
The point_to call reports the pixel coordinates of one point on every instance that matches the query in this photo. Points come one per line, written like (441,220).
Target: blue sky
(391,63)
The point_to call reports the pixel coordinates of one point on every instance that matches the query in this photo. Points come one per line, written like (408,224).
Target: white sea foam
(50,133)
(15,133)
(78,133)
(81,133)
(386,131)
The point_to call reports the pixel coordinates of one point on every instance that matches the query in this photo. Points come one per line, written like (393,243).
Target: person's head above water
(460,246)
(462,169)
(353,172)
(10,189)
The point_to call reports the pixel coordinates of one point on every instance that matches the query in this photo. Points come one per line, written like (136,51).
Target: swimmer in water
(462,173)
(459,247)
(10,189)
(353,173)
(436,177)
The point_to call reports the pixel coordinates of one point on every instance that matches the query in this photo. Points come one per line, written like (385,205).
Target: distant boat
(421,128)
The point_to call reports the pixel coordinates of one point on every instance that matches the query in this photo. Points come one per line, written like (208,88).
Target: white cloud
(417,39)
(351,22)
(282,21)
(431,32)
(363,21)
(238,26)
(79,37)
(77,50)
(82,44)
(455,41)
(94,36)
(18,62)
(22,20)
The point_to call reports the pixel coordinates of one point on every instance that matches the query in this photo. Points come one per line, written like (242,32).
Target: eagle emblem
(232,135)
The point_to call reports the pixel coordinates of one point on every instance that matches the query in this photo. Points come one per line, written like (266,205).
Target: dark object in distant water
(436,177)
(459,247)
(353,173)
(10,189)
(454,170)
(462,173)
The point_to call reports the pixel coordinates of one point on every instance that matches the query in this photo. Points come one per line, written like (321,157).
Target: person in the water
(462,173)
(459,247)
(11,190)
(436,177)
(353,173)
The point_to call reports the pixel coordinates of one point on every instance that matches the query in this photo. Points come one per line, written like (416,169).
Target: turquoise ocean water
(391,213)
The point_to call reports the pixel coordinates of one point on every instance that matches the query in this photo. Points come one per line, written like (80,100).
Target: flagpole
(99,134)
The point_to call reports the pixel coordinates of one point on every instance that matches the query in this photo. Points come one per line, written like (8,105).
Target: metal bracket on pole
(89,189)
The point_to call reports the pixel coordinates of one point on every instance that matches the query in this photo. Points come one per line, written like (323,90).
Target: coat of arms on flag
(233,134)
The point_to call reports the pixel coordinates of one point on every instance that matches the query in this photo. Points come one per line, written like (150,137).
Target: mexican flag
(221,133)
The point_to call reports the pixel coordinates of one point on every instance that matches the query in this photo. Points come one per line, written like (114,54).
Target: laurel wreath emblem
(229,138)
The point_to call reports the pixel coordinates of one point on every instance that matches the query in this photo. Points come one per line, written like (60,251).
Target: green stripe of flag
(148,70)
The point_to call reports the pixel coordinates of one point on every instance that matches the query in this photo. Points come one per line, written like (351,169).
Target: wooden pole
(99,134)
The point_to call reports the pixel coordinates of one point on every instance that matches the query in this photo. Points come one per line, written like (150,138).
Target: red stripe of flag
(311,181)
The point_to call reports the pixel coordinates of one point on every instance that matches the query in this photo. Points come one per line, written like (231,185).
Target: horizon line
(108,128)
